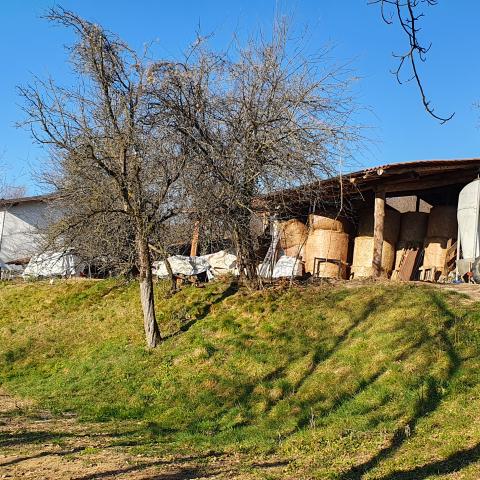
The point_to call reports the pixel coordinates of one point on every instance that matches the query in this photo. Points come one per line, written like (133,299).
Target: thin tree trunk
(168,266)
(171,276)
(246,259)
(152,332)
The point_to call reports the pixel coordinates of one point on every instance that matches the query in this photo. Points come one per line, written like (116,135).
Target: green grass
(374,381)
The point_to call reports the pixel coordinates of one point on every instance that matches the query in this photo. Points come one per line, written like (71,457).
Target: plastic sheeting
(52,264)
(214,264)
(182,265)
(285,267)
(222,263)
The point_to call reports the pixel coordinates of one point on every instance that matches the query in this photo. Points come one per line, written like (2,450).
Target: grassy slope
(380,381)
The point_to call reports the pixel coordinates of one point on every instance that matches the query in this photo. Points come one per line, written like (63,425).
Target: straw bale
(325,244)
(295,250)
(363,257)
(413,227)
(442,222)
(331,270)
(293,234)
(435,252)
(391,226)
(319,222)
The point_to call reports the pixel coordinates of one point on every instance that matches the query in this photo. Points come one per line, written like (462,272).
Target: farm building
(20,219)
(396,221)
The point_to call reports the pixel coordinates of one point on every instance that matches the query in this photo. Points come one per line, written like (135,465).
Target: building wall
(19,224)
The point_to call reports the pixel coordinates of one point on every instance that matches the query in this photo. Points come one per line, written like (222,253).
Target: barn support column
(378,224)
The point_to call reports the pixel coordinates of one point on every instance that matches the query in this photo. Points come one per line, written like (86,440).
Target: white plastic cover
(221,263)
(181,265)
(468,220)
(214,264)
(52,264)
(286,267)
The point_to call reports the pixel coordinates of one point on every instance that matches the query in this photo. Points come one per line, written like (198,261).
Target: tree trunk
(164,257)
(171,276)
(152,332)
(246,261)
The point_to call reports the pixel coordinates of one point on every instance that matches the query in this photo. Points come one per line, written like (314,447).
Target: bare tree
(110,167)
(7,188)
(408,14)
(262,118)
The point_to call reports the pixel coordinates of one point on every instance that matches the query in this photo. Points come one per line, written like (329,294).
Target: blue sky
(398,128)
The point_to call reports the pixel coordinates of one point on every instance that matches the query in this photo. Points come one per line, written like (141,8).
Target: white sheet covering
(214,264)
(52,264)
(284,267)
(181,265)
(222,263)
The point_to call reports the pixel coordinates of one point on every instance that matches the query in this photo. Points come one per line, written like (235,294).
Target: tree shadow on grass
(451,464)
(428,402)
(62,453)
(321,355)
(366,383)
(182,473)
(23,438)
(205,310)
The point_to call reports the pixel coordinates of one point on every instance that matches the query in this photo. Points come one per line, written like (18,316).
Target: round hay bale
(442,222)
(295,251)
(361,272)
(332,270)
(413,227)
(326,244)
(293,233)
(435,252)
(319,222)
(391,226)
(363,257)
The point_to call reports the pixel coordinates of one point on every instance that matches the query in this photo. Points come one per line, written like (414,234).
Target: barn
(20,220)
(395,221)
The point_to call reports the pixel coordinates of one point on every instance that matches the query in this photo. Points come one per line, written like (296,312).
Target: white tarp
(182,265)
(285,267)
(52,264)
(213,264)
(222,263)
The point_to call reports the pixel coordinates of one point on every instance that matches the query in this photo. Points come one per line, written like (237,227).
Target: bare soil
(38,445)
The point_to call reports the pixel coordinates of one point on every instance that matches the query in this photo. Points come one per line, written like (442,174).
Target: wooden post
(194,247)
(378,223)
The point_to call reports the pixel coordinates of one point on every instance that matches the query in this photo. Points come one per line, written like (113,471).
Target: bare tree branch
(408,15)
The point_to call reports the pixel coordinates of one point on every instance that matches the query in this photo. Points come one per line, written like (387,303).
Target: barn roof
(9,202)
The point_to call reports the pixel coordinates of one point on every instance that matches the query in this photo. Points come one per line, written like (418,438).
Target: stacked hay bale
(327,238)
(363,248)
(293,234)
(413,229)
(441,232)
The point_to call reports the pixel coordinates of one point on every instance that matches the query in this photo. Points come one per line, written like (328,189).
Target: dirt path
(37,445)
